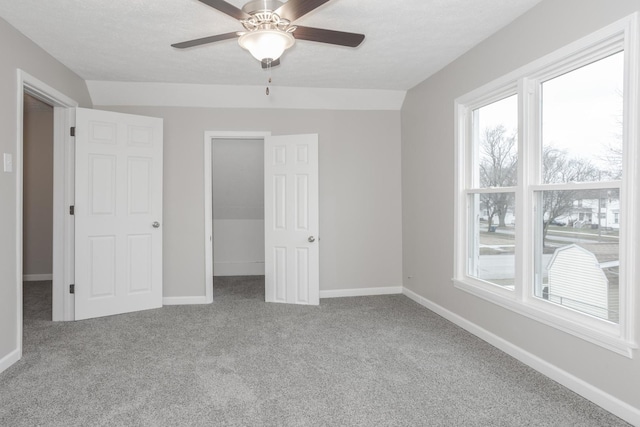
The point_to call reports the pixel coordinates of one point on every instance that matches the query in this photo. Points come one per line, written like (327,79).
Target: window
(581,143)
(495,174)
(538,224)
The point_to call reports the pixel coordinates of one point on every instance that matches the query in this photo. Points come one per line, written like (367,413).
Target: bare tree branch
(498,168)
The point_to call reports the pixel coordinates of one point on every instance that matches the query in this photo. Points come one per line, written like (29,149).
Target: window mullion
(529,167)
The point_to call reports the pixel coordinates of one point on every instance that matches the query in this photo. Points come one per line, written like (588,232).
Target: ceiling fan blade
(227,8)
(294,9)
(266,65)
(328,36)
(205,40)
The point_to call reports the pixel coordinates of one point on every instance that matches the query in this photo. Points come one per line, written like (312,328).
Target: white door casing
(291,219)
(118,213)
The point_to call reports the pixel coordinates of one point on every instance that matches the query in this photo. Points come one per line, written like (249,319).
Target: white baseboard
(9,359)
(249,268)
(360,292)
(610,403)
(36,277)
(186,300)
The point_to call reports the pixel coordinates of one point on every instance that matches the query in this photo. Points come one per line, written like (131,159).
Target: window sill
(607,336)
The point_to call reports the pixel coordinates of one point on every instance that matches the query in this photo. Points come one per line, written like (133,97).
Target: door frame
(209,136)
(63,195)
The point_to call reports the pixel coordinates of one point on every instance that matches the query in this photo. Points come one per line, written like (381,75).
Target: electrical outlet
(8,162)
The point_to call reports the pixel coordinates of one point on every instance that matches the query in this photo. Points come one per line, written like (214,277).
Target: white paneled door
(291,219)
(118,213)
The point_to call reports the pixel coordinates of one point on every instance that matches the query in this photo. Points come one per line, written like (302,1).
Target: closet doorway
(37,209)
(234,207)
(238,207)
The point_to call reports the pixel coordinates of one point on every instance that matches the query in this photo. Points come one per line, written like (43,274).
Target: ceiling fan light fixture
(266,44)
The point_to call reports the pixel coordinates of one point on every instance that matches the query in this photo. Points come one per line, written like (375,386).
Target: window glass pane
(496,143)
(582,123)
(578,250)
(492,238)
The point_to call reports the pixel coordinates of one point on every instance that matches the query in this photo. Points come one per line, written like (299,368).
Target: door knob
(311,239)
(155,224)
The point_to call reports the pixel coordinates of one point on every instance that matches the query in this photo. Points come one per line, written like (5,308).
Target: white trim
(19,187)
(62,113)
(491,190)
(629,189)
(586,390)
(185,300)
(575,186)
(590,329)
(36,277)
(497,88)
(222,96)
(63,170)
(460,232)
(620,338)
(64,224)
(10,359)
(360,292)
(209,136)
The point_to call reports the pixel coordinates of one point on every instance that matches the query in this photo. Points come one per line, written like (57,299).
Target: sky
(582,110)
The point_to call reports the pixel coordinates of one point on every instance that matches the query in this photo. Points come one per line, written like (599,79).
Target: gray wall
(37,190)
(428,187)
(238,207)
(360,204)
(238,178)
(20,52)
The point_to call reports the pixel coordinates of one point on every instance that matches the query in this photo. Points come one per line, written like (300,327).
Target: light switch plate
(8,162)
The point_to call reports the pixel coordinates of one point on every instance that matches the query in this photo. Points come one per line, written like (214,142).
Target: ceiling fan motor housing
(256,6)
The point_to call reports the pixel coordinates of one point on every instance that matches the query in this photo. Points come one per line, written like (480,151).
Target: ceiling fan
(269,30)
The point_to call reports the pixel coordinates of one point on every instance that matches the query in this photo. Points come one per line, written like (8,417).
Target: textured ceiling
(129,40)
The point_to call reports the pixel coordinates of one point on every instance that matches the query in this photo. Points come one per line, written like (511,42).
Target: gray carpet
(364,361)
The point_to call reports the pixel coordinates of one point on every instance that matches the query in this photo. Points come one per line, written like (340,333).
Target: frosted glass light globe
(266,44)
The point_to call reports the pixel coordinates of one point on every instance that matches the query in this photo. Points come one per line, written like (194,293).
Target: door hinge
(72,210)
(72,131)
(72,289)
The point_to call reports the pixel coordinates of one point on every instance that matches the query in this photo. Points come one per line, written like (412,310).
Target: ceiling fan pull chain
(268,83)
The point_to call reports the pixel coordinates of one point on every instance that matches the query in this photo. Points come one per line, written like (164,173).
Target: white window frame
(526,83)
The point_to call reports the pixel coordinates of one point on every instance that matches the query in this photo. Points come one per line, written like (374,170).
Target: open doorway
(291,222)
(61,193)
(37,209)
(237,191)
(209,138)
